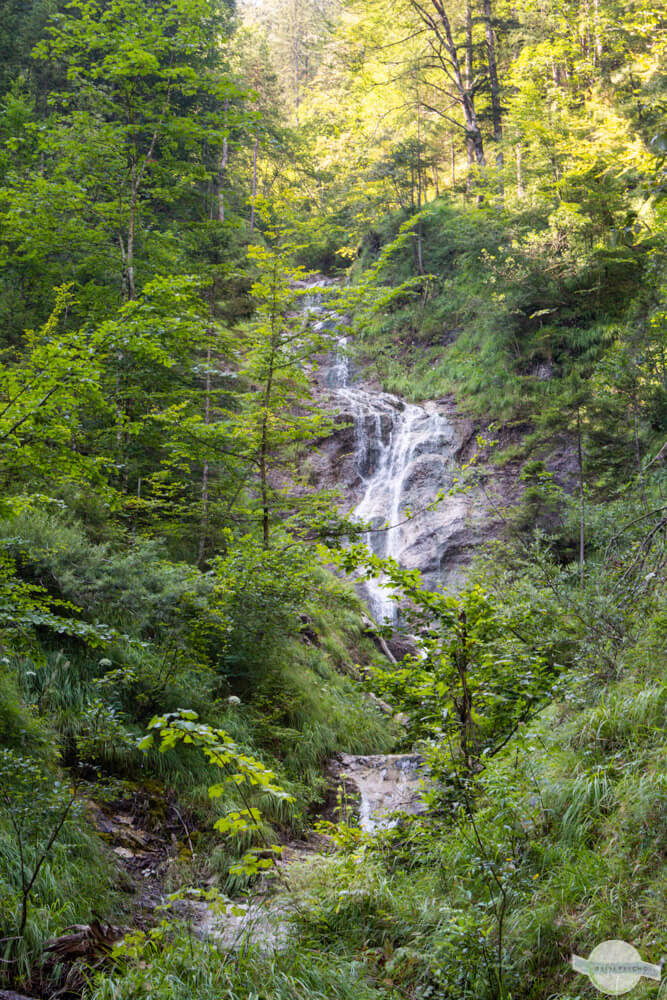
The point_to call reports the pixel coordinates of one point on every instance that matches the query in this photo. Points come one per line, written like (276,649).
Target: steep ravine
(395,457)
(390,459)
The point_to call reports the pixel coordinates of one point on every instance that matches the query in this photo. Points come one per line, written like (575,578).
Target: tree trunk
(596,31)
(477,141)
(297,82)
(204,479)
(123,279)
(419,156)
(638,452)
(582,508)
(263,476)
(468,88)
(129,255)
(264,444)
(254,183)
(420,261)
(464,705)
(496,109)
(468,49)
(222,167)
(585,32)
(476,147)
(470,158)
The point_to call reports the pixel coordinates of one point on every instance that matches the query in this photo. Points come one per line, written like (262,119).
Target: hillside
(333,400)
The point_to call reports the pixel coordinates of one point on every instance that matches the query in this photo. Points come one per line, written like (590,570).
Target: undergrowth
(158,644)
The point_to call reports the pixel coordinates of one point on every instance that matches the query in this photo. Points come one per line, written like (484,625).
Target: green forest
(262,263)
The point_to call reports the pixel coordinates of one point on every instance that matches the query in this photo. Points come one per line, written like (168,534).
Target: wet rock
(386,783)
(402,645)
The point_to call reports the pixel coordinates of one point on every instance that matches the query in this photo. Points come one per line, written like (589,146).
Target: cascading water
(404,455)
(386,783)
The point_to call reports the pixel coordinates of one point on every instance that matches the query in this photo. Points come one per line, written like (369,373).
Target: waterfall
(403,456)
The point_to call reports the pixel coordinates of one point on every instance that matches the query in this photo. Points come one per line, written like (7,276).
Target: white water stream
(404,455)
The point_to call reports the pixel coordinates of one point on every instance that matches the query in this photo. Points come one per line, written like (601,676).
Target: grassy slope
(517,314)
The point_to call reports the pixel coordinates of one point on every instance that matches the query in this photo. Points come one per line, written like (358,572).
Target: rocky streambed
(383,786)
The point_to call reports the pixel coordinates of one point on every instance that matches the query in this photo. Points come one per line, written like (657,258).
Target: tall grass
(74,883)
(185,968)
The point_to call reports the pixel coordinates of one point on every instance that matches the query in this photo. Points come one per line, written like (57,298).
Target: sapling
(37,806)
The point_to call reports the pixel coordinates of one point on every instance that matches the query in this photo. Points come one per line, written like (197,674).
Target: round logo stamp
(615,967)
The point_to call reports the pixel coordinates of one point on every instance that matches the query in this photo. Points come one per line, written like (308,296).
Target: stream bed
(384,783)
